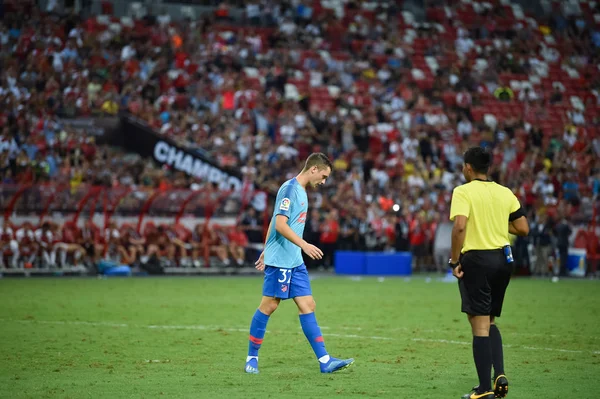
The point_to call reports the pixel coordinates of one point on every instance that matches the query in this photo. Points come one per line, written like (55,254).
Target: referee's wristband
(453,265)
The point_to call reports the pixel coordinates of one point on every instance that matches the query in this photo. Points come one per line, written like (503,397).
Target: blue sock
(313,334)
(257,332)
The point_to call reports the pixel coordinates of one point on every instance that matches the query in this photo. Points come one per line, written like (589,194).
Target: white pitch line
(531,348)
(242,329)
(382,329)
(71,322)
(184,327)
(245,330)
(357,336)
(441,341)
(418,330)
(216,328)
(351,328)
(547,349)
(209,328)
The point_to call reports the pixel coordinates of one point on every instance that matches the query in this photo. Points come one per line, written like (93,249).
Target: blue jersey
(292,201)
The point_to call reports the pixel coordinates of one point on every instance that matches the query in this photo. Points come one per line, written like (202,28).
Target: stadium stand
(393,99)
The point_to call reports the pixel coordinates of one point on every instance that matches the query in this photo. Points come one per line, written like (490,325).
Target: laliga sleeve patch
(285,204)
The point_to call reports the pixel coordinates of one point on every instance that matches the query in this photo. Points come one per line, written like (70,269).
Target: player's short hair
(479,159)
(319,160)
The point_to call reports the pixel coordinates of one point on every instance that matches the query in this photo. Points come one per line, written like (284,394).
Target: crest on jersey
(285,204)
(284,288)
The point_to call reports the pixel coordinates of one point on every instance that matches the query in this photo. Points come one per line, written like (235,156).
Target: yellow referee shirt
(488,207)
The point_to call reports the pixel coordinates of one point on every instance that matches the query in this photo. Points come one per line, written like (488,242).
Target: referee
(484,213)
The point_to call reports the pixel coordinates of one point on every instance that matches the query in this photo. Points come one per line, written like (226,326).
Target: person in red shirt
(217,243)
(431,230)
(389,231)
(27,245)
(110,86)
(222,12)
(330,230)
(418,241)
(66,243)
(238,241)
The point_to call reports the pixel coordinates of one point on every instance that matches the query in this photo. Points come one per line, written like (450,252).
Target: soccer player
(484,213)
(285,273)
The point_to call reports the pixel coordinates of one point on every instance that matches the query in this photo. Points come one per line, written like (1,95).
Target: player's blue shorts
(286,283)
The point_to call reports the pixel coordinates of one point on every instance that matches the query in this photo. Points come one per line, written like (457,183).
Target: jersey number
(286,274)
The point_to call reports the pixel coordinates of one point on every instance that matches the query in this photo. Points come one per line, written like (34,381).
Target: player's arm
(260,263)
(283,228)
(517,220)
(268,232)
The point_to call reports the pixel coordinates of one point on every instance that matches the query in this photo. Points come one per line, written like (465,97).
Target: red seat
(357,45)
(449,98)
(435,14)
(478,113)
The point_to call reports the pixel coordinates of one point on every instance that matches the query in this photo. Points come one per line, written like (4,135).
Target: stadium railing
(124,205)
(37,202)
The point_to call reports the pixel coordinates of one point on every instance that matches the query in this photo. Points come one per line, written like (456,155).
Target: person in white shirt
(570,137)
(544,188)
(287,151)
(384,74)
(164,19)
(416,180)
(410,145)
(8,246)
(51,6)
(576,117)
(27,245)
(253,13)
(596,146)
(127,52)
(464,128)
(45,241)
(288,27)
(451,154)
(527,95)
(288,133)
(464,43)
(9,144)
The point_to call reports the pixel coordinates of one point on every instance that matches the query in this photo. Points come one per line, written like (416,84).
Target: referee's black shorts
(483,285)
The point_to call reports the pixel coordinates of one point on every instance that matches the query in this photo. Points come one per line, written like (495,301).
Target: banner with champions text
(138,137)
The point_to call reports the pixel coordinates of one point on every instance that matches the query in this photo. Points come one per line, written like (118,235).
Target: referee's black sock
(482,354)
(497,352)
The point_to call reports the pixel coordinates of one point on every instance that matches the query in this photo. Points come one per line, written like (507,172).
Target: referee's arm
(458,236)
(517,220)
(460,209)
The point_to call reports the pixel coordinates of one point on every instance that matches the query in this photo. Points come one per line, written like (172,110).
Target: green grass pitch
(187,338)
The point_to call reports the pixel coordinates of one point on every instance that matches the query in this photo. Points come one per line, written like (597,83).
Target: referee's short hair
(479,159)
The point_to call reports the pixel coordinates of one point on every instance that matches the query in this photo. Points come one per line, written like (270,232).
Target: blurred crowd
(394,102)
